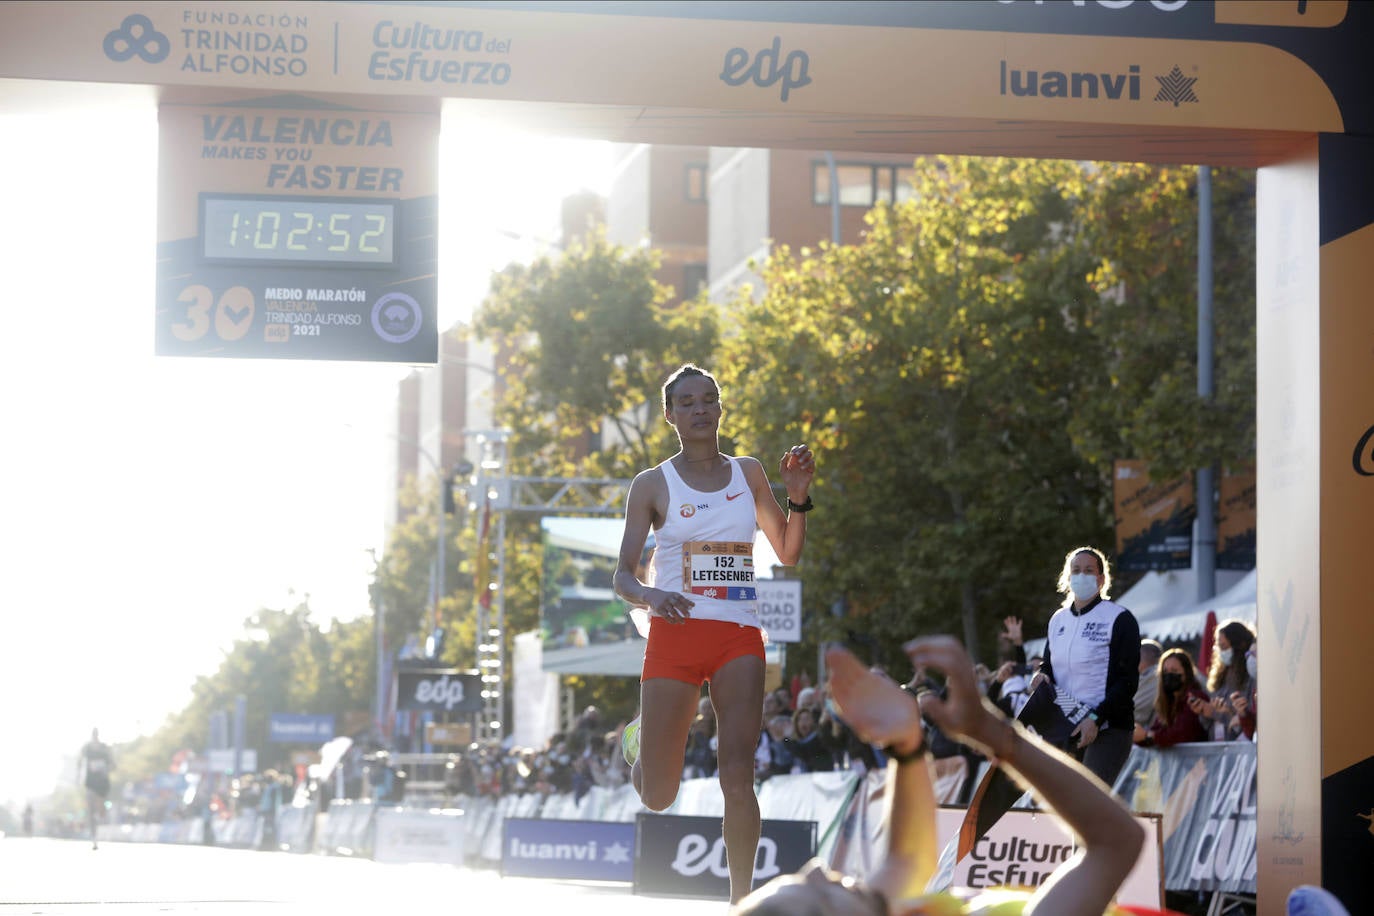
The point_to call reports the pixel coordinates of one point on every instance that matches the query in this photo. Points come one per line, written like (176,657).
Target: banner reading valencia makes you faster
(297,233)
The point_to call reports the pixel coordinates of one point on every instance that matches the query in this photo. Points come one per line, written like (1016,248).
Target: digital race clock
(297,230)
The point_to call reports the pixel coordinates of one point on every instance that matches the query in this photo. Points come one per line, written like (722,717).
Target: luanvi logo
(1084,84)
(1176,88)
(764,69)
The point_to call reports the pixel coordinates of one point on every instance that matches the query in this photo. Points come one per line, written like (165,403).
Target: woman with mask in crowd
(1230,714)
(1092,657)
(1175,720)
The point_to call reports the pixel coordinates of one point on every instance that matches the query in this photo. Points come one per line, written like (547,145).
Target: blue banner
(586,850)
(294,728)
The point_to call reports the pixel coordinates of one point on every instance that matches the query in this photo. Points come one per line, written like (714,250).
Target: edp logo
(696,855)
(764,69)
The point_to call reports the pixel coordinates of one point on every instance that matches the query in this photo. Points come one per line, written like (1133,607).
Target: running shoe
(629,742)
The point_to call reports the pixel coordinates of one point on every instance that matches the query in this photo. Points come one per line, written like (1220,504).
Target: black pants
(997,791)
(1106,755)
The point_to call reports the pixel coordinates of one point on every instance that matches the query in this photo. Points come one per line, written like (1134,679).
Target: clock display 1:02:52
(318,230)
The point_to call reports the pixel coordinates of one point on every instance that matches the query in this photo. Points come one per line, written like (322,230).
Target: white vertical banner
(536,693)
(780,609)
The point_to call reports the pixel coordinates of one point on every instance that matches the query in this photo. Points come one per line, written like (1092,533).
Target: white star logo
(617,854)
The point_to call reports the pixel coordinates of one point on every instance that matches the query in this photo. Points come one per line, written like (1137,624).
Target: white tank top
(705,549)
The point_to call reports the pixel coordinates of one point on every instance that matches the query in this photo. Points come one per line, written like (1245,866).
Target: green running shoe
(629,742)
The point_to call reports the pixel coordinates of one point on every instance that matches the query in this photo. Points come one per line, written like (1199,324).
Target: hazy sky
(149,505)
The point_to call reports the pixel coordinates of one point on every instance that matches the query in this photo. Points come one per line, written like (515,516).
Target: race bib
(719,569)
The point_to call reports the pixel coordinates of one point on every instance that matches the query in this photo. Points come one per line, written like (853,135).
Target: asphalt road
(68,877)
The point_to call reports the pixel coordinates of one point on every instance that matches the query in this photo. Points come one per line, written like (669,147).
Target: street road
(46,876)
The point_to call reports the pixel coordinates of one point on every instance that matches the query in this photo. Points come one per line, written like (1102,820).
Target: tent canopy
(1166,606)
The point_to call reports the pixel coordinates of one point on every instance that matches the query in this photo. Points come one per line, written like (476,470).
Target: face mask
(1171,681)
(1226,655)
(1251,666)
(1083,585)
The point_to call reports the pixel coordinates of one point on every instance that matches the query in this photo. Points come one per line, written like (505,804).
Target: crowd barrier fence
(1205,795)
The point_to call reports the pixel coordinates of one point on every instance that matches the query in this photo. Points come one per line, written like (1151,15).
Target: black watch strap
(802,507)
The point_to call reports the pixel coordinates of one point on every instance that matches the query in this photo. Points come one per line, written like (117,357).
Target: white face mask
(1083,585)
(1226,655)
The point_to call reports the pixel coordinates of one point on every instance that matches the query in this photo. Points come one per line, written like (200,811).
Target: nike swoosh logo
(730,496)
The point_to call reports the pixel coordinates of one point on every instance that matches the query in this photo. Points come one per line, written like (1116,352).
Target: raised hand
(872,704)
(962,713)
(796,468)
(1012,630)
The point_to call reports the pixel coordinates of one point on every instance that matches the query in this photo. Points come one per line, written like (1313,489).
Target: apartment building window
(861,184)
(696,182)
(693,279)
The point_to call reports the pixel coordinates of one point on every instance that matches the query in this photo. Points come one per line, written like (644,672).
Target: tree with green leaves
(950,370)
(587,339)
(1142,222)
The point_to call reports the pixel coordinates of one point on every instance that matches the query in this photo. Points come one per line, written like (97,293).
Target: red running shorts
(695,650)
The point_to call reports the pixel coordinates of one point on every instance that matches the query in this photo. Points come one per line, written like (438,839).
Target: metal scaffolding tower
(495,494)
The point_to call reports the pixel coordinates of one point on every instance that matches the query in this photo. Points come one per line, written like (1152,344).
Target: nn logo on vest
(1174,87)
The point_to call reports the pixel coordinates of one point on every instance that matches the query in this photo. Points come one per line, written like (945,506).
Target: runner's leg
(92,799)
(737,694)
(666,708)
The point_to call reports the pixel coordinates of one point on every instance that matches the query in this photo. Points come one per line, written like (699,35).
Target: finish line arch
(1284,86)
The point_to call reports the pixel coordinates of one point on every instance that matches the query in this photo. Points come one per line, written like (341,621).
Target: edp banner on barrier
(582,850)
(685,856)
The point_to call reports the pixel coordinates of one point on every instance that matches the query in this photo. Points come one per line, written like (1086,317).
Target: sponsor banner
(224,760)
(1155,63)
(438,690)
(1236,520)
(578,850)
(293,728)
(404,836)
(448,733)
(1025,846)
(292,230)
(1306,701)
(1154,522)
(780,609)
(1345,629)
(685,856)
(1207,794)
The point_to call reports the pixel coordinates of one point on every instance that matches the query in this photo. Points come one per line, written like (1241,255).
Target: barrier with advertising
(1207,796)
(683,856)
(405,835)
(580,850)
(1026,845)
(1195,801)
(299,728)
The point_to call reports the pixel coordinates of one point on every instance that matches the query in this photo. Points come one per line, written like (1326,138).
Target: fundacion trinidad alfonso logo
(136,35)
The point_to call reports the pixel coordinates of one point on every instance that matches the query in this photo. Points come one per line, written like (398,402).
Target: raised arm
(786,533)
(1110,840)
(882,713)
